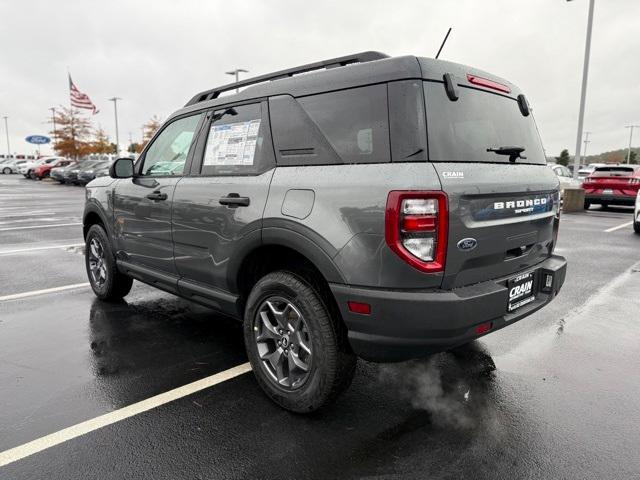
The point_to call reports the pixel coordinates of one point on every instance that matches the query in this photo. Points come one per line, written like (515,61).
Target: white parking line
(61,436)
(624,225)
(35,249)
(33,293)
(40,226)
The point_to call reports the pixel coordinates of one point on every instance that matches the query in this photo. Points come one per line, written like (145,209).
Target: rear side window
(355,122)
(348,126)
(463,130)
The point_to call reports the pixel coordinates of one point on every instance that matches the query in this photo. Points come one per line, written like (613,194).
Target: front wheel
(6,171)
(636,227)
(105,279)
(296,345)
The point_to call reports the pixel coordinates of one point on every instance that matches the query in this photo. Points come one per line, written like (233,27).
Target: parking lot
(553,396)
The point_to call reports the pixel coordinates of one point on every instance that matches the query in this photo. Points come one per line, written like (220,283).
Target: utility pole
(115,110)
(237,72)
(630,127)
(586,142)
(6,126)
(583,94)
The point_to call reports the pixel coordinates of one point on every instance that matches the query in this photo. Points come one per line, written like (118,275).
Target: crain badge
(453,174)
(467,244)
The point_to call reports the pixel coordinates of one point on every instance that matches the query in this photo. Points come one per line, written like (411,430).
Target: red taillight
(485,82)
(416,228)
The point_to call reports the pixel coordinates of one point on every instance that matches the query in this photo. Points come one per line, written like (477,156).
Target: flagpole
(115,109)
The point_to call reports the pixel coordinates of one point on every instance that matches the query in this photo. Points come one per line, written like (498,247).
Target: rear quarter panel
(347,217)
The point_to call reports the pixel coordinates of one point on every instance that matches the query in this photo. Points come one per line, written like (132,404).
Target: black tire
(636,227)
(6,170)
(113,285)
(332,364)
(587,204)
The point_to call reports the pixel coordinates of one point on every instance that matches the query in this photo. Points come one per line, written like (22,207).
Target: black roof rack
(290,72)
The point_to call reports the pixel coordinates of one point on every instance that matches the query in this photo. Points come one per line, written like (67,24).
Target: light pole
(237,72)
(583,94)
(53,120)
(630,127)
(586,142)
(6,127)
(115,110)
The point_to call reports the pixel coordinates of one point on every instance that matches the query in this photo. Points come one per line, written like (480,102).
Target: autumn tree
(148,130)
(100,142)
(72,136)
(563,159)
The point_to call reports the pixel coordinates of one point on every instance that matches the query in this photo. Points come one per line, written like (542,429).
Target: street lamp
(583,94)
(630,127)
(236,73)
(115,109)
(6,126)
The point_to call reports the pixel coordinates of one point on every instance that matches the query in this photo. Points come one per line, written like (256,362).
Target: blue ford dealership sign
(38,139)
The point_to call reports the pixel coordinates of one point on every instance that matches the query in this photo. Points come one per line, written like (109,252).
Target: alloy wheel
(284,343)
(97,267)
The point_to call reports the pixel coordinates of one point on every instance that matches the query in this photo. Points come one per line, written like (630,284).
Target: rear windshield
(613,172)
(463,130)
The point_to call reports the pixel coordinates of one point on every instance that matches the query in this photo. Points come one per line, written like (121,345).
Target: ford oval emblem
(467,244)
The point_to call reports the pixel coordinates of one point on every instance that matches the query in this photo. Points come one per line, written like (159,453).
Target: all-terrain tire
(332,364)
(110,284)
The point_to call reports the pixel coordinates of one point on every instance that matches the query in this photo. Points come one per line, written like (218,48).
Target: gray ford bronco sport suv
(374,207)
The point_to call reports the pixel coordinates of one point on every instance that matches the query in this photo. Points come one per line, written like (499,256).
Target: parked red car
(44,170)
(612,185)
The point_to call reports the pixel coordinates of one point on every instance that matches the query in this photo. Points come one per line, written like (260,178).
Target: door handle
(157,195)
(234,200)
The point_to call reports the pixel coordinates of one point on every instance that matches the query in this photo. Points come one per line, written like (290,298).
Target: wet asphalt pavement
(554,396)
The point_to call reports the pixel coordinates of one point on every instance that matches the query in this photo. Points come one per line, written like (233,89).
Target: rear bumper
(611,199)
(406,324)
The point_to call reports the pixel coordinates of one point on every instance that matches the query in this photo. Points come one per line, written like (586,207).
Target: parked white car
(565,177)
(11,166)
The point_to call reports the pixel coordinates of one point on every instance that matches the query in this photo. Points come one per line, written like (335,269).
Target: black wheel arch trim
(93,208)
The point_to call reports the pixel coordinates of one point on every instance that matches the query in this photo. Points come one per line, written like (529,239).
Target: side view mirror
(121,168)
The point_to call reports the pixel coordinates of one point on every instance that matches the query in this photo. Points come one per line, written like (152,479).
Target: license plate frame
(521,290)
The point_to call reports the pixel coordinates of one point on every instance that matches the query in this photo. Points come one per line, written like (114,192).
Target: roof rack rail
(290,72)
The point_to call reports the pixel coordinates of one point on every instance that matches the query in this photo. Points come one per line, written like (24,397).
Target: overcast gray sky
(158,54)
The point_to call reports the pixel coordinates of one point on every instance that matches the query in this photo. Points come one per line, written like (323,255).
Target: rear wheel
(105,279)
(296,345)
(587,204)
(636,227)
(6,170)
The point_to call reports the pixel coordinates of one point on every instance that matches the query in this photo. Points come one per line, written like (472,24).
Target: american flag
(79,99)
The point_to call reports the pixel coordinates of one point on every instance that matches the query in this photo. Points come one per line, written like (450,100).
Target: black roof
(350,71)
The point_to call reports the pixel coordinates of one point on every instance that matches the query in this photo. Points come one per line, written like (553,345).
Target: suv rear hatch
(503,202)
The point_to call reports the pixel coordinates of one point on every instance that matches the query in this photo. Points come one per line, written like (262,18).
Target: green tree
(632,157)
(563,159)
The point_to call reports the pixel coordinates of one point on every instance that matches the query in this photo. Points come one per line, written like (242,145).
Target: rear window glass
(613,172)
(355,122)
(463,130)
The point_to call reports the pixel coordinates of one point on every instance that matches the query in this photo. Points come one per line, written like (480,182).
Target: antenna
(443,42)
